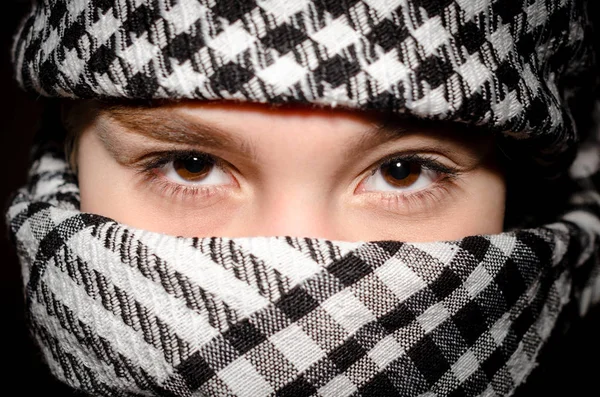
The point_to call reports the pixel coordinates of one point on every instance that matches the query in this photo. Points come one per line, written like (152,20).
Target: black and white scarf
(507,65)
(119,311)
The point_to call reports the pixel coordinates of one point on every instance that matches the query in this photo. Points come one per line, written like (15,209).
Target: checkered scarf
(119,311)
(506,64)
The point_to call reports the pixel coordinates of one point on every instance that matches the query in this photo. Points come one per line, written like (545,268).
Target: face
(238,170)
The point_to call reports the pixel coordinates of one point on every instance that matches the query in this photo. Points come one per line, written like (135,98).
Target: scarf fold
(119,311)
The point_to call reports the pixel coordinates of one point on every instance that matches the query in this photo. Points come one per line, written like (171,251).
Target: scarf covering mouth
(119,311)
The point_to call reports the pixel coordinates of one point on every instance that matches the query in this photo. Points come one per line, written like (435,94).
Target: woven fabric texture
(508,65)
(119,311)
(124,312)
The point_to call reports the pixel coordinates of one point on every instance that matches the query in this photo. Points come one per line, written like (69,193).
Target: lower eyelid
(407,202)
(181,192)
(420,201)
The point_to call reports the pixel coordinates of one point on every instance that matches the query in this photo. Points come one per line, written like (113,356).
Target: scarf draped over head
(512,66)
(118,311)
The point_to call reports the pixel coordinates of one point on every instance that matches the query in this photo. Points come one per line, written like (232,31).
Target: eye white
(216,176)
(377,182)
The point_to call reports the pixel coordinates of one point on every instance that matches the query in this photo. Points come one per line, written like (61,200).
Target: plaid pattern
(483,62)
(124,312)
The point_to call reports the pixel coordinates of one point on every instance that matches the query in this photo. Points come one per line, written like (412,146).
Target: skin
(292,171)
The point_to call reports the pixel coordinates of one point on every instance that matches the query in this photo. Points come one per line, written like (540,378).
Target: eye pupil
(194,165)
(401,173)
(399,170)
(193,168)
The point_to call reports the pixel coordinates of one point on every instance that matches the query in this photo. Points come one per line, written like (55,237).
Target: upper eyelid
(160,159)
(426,161)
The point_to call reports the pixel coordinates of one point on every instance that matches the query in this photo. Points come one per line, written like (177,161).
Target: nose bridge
(295,192)
(294,211)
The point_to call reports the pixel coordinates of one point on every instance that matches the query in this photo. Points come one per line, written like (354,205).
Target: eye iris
(401,173)
(193,168)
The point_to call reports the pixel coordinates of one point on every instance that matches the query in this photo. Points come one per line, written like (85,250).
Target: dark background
(21,372)
(572,368)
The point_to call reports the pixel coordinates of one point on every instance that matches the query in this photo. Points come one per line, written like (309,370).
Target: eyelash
(420,199)
(149,170)
(408,201)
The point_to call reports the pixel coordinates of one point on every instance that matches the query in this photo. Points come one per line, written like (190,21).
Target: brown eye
(401,173)
(193,169)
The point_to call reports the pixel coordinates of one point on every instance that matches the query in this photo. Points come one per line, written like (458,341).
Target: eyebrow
(162,126)
(380,133)
(181,130)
